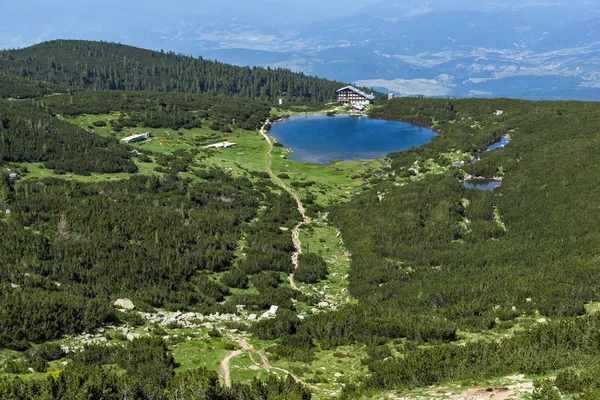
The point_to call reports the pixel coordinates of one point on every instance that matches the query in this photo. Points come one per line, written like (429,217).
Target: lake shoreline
(319,139)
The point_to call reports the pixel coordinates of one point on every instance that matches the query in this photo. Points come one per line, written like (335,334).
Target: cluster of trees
(72,247)
(311,269)
(146,371)
(162,110)
(29,133)
(111,66)
(544,347)
(19,88)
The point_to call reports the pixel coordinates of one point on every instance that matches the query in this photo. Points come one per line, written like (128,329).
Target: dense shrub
(311,269)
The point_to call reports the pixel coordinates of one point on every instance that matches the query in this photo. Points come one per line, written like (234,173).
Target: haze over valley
(527,49)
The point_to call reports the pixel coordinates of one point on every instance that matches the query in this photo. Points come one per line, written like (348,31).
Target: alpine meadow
(157,243)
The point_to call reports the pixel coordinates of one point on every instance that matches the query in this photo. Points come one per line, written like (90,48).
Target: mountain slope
(110,66)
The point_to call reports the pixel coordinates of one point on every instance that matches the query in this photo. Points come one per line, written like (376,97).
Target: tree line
(29,133)
(111,66)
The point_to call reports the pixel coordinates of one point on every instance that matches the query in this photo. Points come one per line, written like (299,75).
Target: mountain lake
(321,139)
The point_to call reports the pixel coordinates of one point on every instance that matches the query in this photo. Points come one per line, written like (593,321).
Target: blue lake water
(321,139)
(482,184)
(500,144)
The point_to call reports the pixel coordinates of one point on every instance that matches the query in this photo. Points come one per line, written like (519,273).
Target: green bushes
(30,134)
(265,280)
(235,278)
(311,269)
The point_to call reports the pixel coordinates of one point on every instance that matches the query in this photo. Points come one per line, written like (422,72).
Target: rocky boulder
(125,304)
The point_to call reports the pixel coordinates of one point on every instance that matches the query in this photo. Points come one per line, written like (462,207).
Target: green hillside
(111,66)
(409,285)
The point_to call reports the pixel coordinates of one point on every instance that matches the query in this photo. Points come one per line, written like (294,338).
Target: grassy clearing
(37,171)
(323,239)
(592,308)
(503,329)
(197,353)
(243,369)
(163,140)
(333,183)
(250,154)
(329,370)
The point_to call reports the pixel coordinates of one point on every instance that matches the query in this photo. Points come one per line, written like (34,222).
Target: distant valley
(536,50)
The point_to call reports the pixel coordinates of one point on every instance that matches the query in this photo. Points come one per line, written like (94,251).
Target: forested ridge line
(111,66)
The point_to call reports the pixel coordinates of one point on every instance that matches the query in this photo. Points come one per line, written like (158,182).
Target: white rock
(252,317)
(338,375)
(124,303)
(323,304)
(271,313)
(132,335)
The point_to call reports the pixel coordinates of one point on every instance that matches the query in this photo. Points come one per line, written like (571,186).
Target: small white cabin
(137,138)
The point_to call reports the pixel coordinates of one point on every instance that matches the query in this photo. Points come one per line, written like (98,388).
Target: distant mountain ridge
(438,48)
(111,66)
(535,49)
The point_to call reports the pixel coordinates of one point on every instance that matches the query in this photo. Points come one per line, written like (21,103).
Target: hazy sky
(31,21)
(143,23)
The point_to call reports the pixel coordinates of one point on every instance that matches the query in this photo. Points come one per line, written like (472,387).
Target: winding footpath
(246,347)
(262,363)
(225,371)
(243,343)
(305,219)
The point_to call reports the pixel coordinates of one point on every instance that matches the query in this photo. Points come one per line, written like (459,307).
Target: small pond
(499,144)
(321,139)
(482,184)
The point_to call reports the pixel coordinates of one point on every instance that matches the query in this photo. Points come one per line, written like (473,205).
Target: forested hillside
(19,88)
(29,133)
(410,280)
(111,66)
(432,258)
